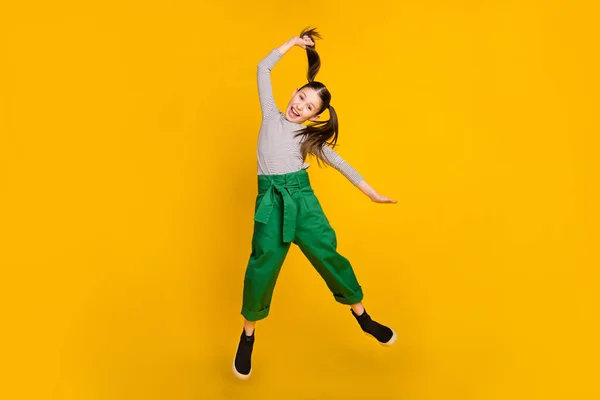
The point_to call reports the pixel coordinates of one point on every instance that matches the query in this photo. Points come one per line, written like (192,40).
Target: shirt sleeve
(333,159)
(265,89)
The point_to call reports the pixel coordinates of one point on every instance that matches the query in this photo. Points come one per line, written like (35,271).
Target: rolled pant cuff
(255,315)
(354,298)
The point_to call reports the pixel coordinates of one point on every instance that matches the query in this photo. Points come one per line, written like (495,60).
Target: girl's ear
(316,117)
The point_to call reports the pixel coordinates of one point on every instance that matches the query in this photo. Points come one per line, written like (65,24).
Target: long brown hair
(319,133)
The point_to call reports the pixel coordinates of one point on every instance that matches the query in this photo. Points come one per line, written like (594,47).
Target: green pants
(287,211)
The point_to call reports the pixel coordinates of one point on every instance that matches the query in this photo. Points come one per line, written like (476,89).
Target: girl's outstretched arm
(265,89)
(336,161)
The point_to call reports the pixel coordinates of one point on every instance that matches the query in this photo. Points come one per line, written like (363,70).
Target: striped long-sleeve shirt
(278,148)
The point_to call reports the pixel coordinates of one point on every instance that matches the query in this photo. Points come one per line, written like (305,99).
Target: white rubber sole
(238,375)
(389,342)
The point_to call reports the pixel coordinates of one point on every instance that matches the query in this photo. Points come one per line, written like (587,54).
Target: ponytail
(314,61)
(320,133)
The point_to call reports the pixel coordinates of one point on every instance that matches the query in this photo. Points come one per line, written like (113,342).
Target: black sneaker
(242,365)
(384,335)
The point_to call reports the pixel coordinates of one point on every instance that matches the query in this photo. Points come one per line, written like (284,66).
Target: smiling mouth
(294,112)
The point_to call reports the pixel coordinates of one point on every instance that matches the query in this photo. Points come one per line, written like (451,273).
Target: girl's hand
(377,198)
(296,41)
(302,41)
(372,193)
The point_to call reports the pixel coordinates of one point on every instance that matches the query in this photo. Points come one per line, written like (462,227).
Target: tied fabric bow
(290,210)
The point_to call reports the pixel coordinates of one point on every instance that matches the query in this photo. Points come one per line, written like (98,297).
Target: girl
(287,210)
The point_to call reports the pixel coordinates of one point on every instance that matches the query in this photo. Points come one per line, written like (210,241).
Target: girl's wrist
(286,46)
(367,189)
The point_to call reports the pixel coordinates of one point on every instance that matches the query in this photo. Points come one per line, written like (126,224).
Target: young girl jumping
(287,210)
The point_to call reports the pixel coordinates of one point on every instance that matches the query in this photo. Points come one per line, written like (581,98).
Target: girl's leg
(261,275)
(265,262)
(267,257)
(317,240)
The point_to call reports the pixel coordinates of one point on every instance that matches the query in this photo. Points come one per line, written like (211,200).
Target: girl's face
(303,106)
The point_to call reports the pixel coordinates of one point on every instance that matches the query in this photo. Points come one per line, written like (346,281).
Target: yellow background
(127,179)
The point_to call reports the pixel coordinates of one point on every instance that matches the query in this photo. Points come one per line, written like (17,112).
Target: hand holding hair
(303,41)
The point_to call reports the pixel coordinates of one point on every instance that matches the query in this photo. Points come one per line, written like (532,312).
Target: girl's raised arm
(265,88)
